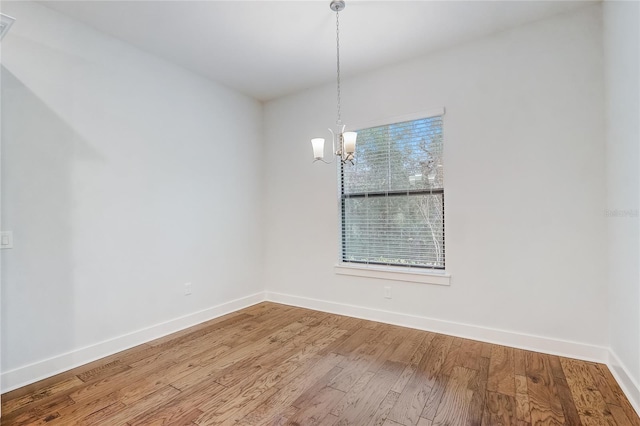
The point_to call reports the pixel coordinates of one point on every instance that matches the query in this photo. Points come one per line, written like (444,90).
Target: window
(392,198)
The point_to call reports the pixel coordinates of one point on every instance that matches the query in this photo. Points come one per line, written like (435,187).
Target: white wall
(622,59)
(123,177)
(524,178)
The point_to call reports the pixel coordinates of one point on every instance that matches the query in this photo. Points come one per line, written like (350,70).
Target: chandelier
(344,143)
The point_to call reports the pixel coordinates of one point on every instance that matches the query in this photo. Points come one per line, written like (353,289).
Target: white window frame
(393,273)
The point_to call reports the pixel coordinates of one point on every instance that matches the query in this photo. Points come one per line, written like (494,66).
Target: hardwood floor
(272,364)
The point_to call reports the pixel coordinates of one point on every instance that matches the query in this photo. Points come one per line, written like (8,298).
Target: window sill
(395,273)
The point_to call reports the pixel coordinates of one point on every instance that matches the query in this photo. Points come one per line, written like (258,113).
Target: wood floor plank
(452,356)
(190,334)
(479,386)
(219,366)
(619,415)
(176,416)
(38,413)
(362,407)
(499,410)
(571,416)
(328,420)
(273,364)
(72,374)
(546,408)
(382,412)
(284,345)
(485,351)
(590,403)
(102,416)
(306,396)
(359,337)
(437,392)
(451,361)
(424,422)
(556,366)
(453,407)
(349,325)
(73,414)
(416,393)
(441,382)
(410,369)
(502,371)
(38,387)
(355,365)
(118,381)
(404,378)
(407,346)
(195,349)
(354,395)
(276,406)
(40,421)
(181,404)
(623,402)
(523,410)
(601,382)
(29,399)
(318,407)
(237,400)
(149,403)
(470,354)
(235,409)
(519,362)
(391,334)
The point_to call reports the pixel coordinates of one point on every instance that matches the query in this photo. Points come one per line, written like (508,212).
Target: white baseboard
(501,337)
(629,386)
(31,373)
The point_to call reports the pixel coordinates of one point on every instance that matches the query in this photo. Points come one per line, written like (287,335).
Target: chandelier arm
(348,159)
(325,162)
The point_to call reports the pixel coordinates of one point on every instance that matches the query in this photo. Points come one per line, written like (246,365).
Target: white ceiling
(267,49)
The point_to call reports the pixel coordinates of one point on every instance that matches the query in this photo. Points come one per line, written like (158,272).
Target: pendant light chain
(339,120)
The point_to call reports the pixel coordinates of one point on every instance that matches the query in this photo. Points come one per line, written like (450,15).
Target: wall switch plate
(387,292)
(187,289)
(6,239)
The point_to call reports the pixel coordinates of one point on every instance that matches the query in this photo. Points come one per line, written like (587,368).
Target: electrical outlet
(387,292)
(6,239)
(187,289)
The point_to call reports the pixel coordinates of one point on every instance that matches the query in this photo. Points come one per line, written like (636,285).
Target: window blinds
(392,199)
